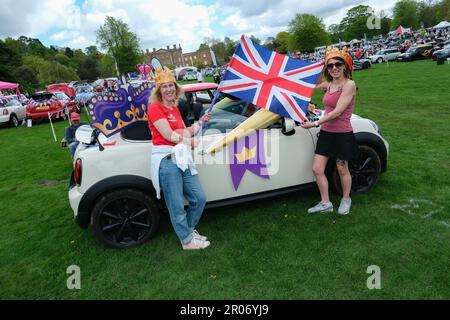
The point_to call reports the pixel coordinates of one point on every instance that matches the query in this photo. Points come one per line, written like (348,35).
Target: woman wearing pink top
(336,139)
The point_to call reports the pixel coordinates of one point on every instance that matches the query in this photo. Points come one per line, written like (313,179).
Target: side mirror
(287,126)
(84,134)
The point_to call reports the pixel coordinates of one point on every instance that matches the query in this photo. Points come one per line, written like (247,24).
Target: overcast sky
(159,23)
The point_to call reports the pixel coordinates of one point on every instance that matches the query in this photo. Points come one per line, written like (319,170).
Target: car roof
(199,86)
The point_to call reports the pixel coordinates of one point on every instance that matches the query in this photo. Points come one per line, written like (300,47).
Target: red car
(70,103)
(67,88)
(44,103)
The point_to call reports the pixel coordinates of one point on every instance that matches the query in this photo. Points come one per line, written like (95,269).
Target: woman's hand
(205,117)
(308,125)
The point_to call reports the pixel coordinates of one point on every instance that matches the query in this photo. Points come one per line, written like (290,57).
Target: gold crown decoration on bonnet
(336,53)
(164,76)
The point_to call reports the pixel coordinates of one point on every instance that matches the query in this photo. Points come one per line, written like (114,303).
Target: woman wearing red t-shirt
(173,170)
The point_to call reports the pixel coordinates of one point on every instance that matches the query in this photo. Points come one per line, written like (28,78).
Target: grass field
(267,250)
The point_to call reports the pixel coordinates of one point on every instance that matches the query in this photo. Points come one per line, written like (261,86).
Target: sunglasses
(338,64)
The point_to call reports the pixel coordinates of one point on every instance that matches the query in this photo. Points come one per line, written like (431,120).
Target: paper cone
(260,120)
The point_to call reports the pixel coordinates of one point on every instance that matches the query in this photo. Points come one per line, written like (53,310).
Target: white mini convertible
(111,188)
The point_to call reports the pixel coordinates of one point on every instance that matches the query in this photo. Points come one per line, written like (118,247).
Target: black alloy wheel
(125,218)
(365,170)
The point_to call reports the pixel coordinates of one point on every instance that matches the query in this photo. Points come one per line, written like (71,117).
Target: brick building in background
(176,57)
(168,56)
(202,56)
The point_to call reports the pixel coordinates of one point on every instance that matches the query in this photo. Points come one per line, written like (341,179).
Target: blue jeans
(175,185)
(73,147)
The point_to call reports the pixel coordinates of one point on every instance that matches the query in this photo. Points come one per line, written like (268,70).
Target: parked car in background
(195,99)
(42,104)
(191,75)
(416,53)
(444,53)
(112,191)
(67,88)
(362,63)
(11,111)
(22,97)
(70,103)
(385,55)
(83,93)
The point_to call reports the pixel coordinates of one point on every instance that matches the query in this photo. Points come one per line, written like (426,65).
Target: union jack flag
(271,80)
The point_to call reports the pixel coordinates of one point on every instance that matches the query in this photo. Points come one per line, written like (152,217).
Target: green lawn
(266,250)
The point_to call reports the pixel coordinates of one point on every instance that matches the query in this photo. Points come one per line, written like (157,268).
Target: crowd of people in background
(366,48)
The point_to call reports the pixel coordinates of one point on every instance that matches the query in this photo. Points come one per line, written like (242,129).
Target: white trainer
(196,244)
(344,207)
(197,235)
(321,207)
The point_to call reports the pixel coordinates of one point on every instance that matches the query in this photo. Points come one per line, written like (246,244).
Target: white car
(385,55)
(111,188)
(12,112)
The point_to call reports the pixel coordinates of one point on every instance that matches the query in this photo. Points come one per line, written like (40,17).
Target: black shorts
(341,146)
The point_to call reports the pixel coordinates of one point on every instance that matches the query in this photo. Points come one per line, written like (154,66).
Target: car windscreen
(84,90)
(61,96)
(13,103)
(228,114)
(42,96)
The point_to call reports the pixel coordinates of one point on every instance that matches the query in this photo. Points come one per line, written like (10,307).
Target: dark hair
(347,72)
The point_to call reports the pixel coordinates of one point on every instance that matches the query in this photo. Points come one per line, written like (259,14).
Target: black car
(442,54)
(416,53)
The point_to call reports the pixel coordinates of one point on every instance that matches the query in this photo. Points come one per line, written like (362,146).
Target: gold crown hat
(336,53)
(164,76)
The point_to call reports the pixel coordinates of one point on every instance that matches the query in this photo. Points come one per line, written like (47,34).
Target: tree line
(28,62)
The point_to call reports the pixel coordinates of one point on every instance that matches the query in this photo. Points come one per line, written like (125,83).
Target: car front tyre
(365,170)
(124,218)
(379,60)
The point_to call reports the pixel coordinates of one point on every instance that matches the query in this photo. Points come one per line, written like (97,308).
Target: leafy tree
(27,79)
(406,14)
(428,13)
(68,52)
(107,67)
(34,63)
(278,44)
(230,47)
(307,32)
(203,46)
(54,72)
(122,44)
(443,10)
(354,25)
(386,23)
(93,52)
(269,43)
(282,42)
(255,39)
(62,58)
(336,32)
(9,60)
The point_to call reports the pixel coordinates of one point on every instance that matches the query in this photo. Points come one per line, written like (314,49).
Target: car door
(279,161)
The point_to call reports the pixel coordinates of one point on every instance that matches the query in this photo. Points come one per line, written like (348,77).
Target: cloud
(159,23)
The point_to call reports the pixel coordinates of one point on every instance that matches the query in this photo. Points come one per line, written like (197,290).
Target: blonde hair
(157,96)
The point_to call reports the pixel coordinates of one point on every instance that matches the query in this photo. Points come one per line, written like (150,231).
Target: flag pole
(51,124)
